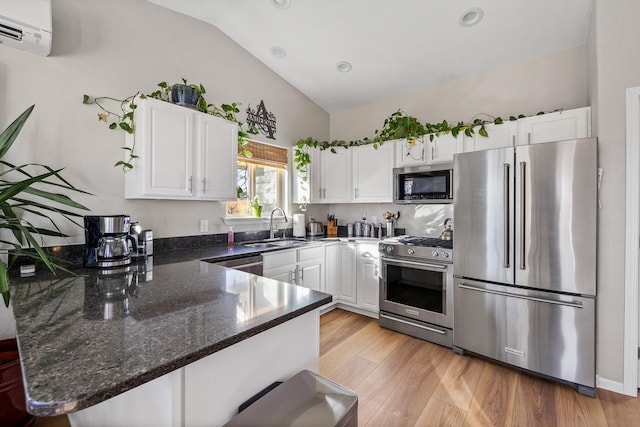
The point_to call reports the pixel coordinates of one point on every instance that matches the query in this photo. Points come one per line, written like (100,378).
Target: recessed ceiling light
(471,17)
(278,52)
(281,4)
(343,66)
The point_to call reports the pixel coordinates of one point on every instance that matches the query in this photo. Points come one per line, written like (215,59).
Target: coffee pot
(107,243)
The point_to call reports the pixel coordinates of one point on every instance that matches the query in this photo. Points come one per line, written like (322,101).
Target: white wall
(614,61)
(543,84)
(116,48)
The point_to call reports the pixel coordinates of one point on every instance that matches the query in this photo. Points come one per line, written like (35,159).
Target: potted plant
(184,94)
(31,188)
(122,117)
(256,207)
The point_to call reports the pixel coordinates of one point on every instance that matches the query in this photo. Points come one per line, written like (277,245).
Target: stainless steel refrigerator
(525,258)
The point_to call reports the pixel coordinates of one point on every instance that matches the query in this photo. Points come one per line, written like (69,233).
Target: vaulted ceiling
(392,47)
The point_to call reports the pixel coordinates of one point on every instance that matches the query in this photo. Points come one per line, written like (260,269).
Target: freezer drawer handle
(506,294)
(523,205)
(506,215)
(437,331)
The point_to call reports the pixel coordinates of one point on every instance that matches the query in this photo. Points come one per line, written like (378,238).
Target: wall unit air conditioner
(26,25)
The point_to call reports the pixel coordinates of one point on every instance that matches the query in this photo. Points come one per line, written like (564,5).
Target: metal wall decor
(262,119)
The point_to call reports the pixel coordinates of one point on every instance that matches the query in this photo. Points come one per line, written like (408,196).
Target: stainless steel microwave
(423,184)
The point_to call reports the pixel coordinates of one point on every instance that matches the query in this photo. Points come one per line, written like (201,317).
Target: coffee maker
(107,241)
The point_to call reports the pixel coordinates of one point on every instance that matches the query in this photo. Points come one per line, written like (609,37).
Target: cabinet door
(336,176)
(373,173)
(280,265)
(500,136)
(347,290)
(442,148)
(570,124)
(331,265)
(409,153)
(310,274)
(368,279)
(217,158)
(164,139)
(306,186)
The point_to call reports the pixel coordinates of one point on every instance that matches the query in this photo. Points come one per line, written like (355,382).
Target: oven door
(418,290)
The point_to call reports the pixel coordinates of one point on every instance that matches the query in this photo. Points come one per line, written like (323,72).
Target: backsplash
(415,219)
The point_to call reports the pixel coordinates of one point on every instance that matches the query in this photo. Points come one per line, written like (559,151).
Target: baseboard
(345,306)
(614,386)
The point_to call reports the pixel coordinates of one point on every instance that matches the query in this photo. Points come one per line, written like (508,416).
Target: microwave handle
(450,183)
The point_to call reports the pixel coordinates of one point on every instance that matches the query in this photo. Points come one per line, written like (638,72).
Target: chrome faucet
(271,229)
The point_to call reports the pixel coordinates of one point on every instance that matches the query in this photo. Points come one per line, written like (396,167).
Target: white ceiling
(395,47)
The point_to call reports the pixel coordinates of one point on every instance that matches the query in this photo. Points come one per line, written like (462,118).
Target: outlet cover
(204,225)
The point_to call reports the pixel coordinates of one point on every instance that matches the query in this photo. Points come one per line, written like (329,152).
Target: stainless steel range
(416,287)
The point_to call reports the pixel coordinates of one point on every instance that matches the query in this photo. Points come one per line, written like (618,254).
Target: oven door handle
(417,264)
(437,331)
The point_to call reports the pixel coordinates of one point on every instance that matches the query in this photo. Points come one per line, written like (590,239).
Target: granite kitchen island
(184,345)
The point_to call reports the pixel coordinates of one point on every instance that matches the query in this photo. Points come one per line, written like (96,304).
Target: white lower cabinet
(349,271)
(303,266)
(347,290)
(352,275)
(368,276)
(280,265)
(310,268)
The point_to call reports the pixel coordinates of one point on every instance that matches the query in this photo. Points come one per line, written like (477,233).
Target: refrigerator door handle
(523,204)
(506,215)
(507,294)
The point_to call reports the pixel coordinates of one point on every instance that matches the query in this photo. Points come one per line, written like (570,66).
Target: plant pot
(13,410)
(184,95)
(257,211)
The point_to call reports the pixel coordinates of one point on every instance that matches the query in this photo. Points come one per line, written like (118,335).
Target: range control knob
(445,255)
(435,254)
(411,251)
(389,249)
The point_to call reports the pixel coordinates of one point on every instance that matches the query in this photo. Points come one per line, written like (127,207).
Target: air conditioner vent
(10,32)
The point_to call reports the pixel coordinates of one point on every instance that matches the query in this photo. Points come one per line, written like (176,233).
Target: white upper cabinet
(335,175)
(217,158)
(441,148)
(409,153)
(373,173)
(569,124)
(499,136)
(182,154)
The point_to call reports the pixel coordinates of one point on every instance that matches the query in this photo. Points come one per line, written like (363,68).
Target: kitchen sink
(275,243)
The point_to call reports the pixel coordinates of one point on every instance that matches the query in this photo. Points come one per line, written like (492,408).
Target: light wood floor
(404,381)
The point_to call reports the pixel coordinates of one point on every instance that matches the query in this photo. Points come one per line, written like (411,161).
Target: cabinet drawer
(276,260)
(305,254)
(544,332)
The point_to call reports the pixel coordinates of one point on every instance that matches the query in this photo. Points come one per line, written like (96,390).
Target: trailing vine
(399,125)
(122,117)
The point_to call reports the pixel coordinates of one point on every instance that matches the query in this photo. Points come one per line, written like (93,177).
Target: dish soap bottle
(230,236)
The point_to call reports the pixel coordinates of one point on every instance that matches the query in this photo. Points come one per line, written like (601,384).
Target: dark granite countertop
(88,338)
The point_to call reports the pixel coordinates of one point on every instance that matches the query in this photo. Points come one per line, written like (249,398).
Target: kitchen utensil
(315,228)
(447,233)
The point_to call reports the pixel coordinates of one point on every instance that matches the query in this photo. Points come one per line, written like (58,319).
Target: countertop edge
(59,408)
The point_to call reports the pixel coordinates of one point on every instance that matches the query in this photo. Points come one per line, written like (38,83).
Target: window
(261,178)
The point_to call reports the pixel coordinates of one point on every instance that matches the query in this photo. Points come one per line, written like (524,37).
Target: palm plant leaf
(12,202)
(11,133)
